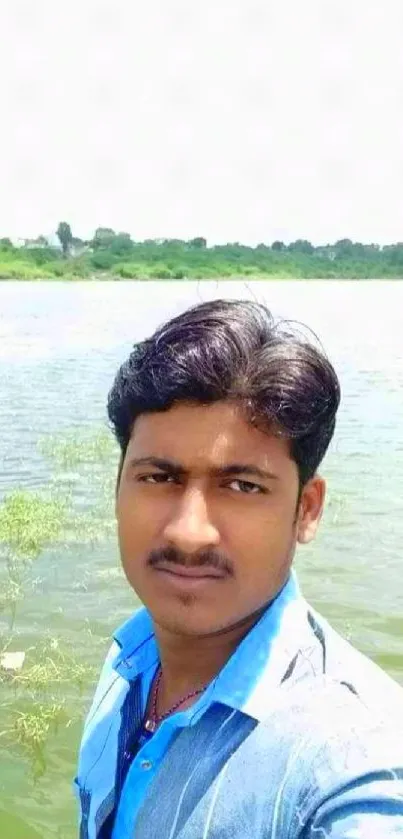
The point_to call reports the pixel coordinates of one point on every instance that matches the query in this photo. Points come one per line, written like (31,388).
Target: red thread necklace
(153,720)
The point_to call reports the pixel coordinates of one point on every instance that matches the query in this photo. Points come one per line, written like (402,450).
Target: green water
(60,346)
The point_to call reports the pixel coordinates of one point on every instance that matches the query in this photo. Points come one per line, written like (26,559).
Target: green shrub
(40,256)
(160,273)
(103,260)
(28,522)
(58,270)
(23,271)
(127,272)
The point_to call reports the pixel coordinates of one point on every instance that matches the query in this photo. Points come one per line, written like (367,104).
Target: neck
(190,663)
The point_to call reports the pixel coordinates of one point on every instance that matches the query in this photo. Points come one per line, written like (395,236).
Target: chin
(188,620)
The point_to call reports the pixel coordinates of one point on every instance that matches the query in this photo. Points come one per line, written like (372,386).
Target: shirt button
(146,764)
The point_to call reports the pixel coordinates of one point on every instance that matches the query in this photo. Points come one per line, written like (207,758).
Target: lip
(191,573)
(188,581)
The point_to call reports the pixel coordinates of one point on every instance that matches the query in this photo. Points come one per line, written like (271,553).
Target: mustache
(203,559)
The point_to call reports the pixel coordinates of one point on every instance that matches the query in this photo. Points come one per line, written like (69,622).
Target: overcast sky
(238,120)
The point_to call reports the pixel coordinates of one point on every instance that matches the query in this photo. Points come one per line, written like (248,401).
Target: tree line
(112,253)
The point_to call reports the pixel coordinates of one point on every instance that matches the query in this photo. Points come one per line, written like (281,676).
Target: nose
(190,528)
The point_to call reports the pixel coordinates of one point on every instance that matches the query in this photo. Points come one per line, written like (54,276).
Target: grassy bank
(171,260)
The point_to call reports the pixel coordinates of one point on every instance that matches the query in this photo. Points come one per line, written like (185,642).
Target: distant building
(78,247)
(53,241)
(40,242)
(327,252)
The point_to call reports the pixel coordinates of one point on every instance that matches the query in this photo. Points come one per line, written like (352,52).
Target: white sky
(238,120)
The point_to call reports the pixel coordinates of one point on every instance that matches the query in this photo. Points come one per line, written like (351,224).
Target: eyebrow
(178,470)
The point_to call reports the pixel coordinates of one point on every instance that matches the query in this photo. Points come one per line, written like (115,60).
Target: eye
(156,478)
(247,487)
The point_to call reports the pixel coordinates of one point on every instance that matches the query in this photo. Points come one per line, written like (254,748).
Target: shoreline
(102,277)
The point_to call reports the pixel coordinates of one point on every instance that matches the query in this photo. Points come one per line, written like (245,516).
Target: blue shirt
(232,687)
(299,735)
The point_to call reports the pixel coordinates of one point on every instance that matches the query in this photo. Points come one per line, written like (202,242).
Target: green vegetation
(65,237)
(29,522)
(39,695)
(72,449)
(110,255)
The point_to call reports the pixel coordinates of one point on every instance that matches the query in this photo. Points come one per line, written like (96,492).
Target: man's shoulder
(325,740)
(349,667)
(307,653)
(328,734)
(341,718)
(125,641)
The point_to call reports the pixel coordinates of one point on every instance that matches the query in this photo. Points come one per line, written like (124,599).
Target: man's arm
(105,681)
(371,807)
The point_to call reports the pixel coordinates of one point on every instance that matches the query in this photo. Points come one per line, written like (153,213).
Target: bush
(127,272)
(40,256)
(251,270)
(23,271)
(58,270)
(103,260)
(160,274)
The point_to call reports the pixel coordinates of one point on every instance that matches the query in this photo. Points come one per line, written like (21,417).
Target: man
(227,708)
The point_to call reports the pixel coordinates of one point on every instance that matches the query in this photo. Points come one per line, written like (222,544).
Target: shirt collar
(138,647)
(249,680)
(255,668)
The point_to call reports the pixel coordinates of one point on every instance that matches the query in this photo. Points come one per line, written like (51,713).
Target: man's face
(185,514)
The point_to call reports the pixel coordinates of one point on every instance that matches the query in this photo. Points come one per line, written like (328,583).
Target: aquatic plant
(28,523)
(31,522)
(30,730)
(74,449)
(49,666)
(45,686)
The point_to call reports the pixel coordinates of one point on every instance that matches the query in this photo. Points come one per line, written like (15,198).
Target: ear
(118,479)
(310,509)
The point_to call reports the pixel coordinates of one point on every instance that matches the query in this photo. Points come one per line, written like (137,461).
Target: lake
(60,346)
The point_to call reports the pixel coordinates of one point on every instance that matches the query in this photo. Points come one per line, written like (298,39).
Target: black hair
(233,350)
